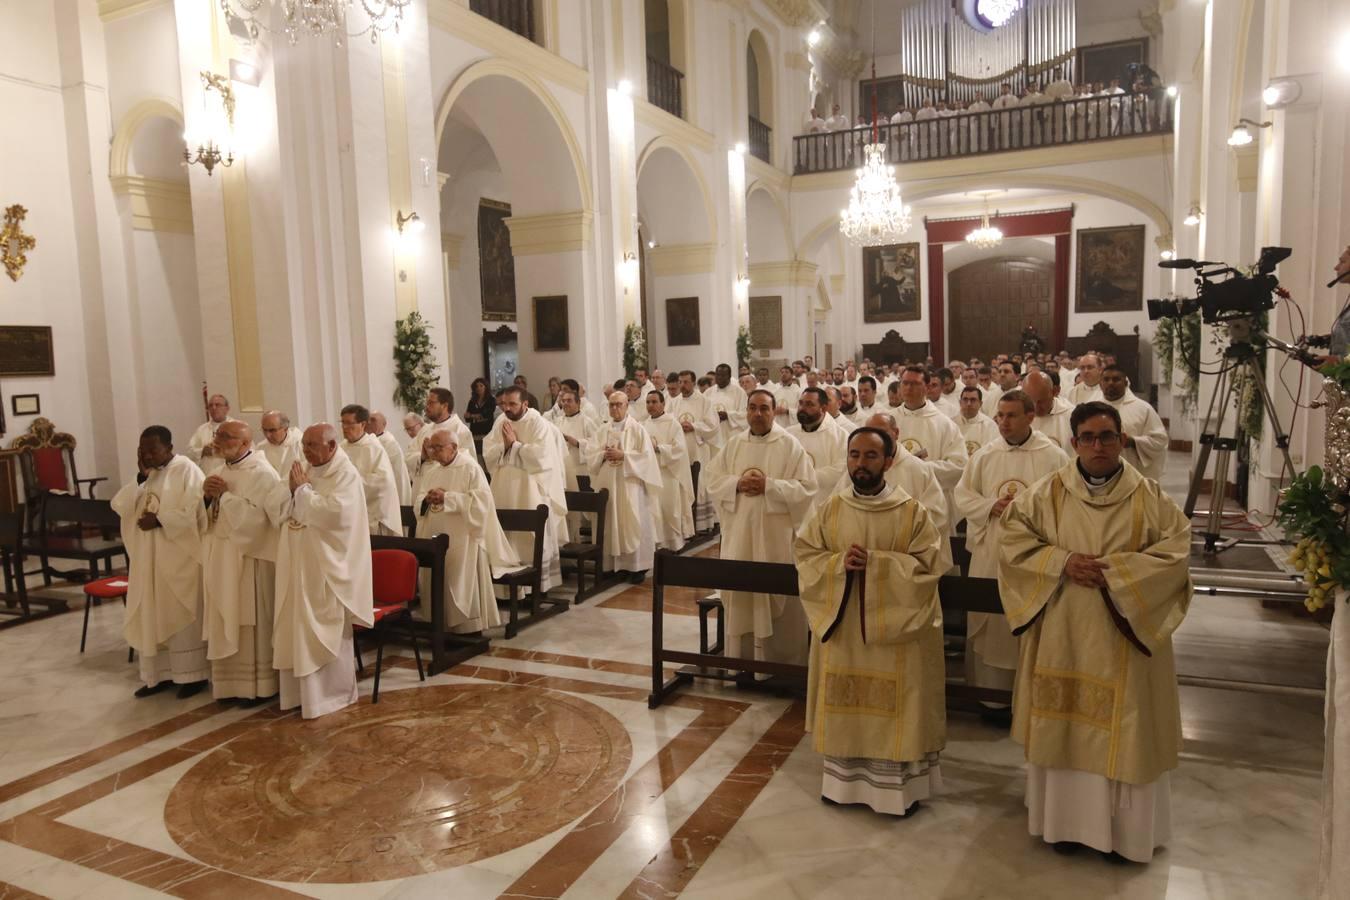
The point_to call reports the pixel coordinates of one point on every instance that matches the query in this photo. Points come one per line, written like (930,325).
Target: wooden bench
(592,551)
(671,570)
(534,522)
(63,532)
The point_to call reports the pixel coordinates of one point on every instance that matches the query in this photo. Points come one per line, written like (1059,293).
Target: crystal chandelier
(998,12)
(876,212)
(986,235)
(215,136)
(316,18)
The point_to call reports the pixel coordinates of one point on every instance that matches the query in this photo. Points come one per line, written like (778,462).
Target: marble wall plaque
(766,322)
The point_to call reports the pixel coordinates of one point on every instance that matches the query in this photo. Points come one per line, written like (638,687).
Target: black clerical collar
(1094,480)
(235,462)
(1018,443)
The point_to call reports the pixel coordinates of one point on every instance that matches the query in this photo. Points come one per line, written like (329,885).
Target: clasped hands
(436,497)
(751,483)
(855,558)
(1086,570)
(1000,505)
(297,477)
(214,487)
(508,435)
(613,455)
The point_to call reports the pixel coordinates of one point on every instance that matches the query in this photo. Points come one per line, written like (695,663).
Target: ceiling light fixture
(986,236)
(316,18)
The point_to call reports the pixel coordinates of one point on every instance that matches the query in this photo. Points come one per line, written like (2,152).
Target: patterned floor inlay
(425,780)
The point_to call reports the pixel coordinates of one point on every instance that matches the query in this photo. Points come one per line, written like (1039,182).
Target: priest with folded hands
(675,525)
(620,459)
(323,576)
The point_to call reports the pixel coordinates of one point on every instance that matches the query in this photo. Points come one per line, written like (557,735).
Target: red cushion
(107,588)
(50,468)
(382,612)
(394,576)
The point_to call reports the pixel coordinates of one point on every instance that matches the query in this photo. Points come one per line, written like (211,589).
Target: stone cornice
(119,9)
(789,273)
(157,204)
(682,259)
(549,233)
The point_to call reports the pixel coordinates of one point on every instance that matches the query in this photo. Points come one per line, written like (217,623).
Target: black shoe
(251,702)
(192,689)
(1116,858)
(1066,848)
(148,689)
(997,716)
(913,808)
(638,577)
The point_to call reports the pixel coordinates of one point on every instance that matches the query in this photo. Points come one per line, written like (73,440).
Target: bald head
(377,423)
(319,443)
(1041,390)
(233,440)
(884,422)
(442,447)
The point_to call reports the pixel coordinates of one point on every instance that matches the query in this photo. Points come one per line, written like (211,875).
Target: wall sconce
(411,223)
(629,270)
(626,87)
(1166,255)
(1242,135)
(14,243)
(216,140)
(1172,91)
(813,37)
(744,282)
(1193,217)
(740,147)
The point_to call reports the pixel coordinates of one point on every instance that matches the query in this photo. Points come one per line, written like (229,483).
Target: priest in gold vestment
(868,564)
(1094,577)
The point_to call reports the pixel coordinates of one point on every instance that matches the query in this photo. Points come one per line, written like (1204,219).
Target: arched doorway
(993,299)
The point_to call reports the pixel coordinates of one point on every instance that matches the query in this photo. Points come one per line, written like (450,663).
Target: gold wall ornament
(14,243)
(219,130)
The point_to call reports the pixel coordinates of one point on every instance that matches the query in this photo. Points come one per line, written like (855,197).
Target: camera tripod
(1240,355)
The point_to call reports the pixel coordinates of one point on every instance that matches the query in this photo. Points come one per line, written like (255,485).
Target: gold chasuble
(1096,684)
(877,684)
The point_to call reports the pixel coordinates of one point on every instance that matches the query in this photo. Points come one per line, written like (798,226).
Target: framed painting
(1110,269)
(26,350)
(1102,62)
(496,265)
(682,322)
(891,283)
(766,323)
(550,323)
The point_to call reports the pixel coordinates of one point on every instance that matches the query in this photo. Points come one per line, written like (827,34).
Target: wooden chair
(694,470)
(111,588)
(533,522)
(54,538)
(393,574)
(409,517)
(580,552)
(11,562)
(447,648)
(47,464)
(583,483)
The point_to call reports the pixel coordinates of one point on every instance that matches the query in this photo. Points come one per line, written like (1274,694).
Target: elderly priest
(239,575)
(453,498)
(868,563)
(675,524)
(1094,575)
(281,442)
(201,445)
(619,458)
(161,529)
(323,576)
(762,484)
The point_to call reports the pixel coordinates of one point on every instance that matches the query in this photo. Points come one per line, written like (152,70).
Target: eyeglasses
(1105,439)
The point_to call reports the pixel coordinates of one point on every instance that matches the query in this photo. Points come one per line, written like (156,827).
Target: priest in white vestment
(702,434)
(377,473)
(991,390)
(323,576)
(239,572)
(201,443)
(576,428)
(1052,410)
(1090,386)
(441,416)
(785,395)
(1019,458)
(1094,575)
(675,525)
(620,459)
(280,445)
(378,426)
(928,434)
(453,498)
(1142,433)
(161,529)
(523,455)
(868,564)
(976,428)
(762,483)
(728,403)
(823,439)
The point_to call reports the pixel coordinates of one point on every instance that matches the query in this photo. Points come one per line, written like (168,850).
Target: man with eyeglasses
(280,445)
(1094,577)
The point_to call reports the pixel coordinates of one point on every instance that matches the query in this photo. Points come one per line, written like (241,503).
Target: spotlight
(740,147)
(626,87)
(1281,92)
(244,72)
(1168,255)
(1172,90)
(813,38)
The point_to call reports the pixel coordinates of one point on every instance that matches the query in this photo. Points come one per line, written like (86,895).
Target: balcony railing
(972,134)
(760,135)
(514,15)
(665,86)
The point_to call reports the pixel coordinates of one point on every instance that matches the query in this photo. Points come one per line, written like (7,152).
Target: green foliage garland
(1314,512)
(634,349)
(1177,343)
(415,368)
(745,345)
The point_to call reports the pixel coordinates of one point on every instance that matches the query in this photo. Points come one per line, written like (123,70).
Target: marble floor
(537,770)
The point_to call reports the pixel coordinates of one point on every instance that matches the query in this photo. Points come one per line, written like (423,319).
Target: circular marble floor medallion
(426,780)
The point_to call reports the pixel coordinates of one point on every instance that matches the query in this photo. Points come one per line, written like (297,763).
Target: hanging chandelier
(876,213)
(986,235)
(317,18)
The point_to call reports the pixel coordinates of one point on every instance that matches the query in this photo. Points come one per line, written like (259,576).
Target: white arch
(132,121)
(784,219)
(511,71)
(663,142)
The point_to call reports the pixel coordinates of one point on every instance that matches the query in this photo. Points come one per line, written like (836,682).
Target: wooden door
(992,300)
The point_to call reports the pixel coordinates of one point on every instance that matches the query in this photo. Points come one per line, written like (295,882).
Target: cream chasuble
(990,398)
(1148,449)
(579,428)
(323,586)
(730,400)
(634,485)
(827,446)
(913,476)
(675,526)
(1096,684)
(701,443)
(398,462)
(377,477)
(975,433)
(164,587)
(280,456)
(1082,393)
(927,429)
(239,579)
(786,395)
(526,474)
(1055,425)
(996,471)
(452,423)
(761,528)
(203,437)
(478,548)
(877,688)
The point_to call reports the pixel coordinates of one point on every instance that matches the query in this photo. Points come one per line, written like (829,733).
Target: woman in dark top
(482,408)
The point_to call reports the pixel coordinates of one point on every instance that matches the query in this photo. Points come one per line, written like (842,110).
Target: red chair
(114,588)
(394,577)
